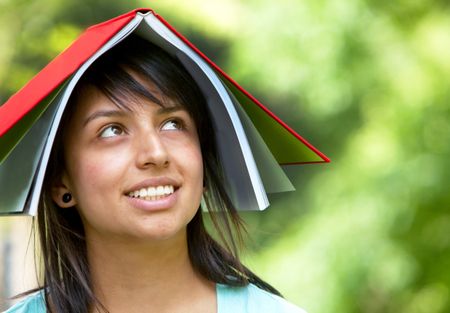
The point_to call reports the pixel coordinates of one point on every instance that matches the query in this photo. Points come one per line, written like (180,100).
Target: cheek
(192,160)
(92,175)
(95,182)
(188,159)
(200,166)
(195,168)
(183,147)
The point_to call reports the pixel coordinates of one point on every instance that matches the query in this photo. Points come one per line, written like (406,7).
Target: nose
(151,151)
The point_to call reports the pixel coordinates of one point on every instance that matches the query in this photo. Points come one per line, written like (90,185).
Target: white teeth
(152,193)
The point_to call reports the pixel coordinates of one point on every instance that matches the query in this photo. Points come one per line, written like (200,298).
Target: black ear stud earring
(67,197)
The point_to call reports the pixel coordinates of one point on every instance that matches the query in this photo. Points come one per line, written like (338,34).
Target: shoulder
(251,299)
(32,304)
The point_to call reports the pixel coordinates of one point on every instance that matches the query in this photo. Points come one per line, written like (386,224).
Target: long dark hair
(67,279)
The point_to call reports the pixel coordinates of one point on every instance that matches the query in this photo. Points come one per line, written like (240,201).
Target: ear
(60,188)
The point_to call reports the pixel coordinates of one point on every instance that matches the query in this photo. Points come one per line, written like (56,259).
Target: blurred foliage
(368,83)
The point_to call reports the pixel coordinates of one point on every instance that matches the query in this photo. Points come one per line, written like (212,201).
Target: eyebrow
(121,113)
(171,109)
(104,113)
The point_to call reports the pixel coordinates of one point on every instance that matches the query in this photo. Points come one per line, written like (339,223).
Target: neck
(129,276)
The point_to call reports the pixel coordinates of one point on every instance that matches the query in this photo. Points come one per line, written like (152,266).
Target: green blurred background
(367,83)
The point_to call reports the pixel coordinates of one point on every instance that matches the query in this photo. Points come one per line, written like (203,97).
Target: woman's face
(133,174)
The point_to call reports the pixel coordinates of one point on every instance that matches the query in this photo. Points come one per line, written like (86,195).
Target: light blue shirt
(249,299)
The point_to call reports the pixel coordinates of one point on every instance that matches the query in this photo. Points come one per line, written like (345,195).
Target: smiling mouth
(152,193)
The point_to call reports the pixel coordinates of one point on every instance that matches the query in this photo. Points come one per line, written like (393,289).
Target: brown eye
(172,125)
(112,131)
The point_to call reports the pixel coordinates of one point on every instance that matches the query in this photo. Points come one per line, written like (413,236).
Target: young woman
(120,218)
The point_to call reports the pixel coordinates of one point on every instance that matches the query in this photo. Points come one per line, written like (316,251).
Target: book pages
(24,159)
(273,176)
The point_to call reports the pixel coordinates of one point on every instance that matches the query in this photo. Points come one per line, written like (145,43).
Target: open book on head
(252,141)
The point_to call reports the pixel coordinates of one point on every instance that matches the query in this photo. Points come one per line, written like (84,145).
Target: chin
(162,232)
